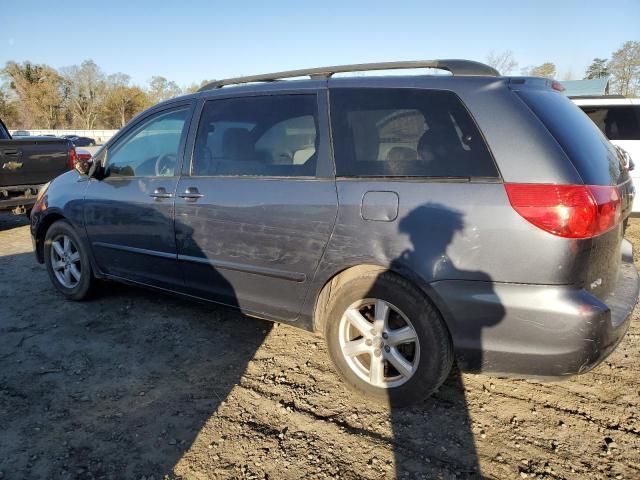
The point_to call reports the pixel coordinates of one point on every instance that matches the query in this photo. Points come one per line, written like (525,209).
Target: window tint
(406,132)
(616,122)
(272,135)
(151,149)
(593,156)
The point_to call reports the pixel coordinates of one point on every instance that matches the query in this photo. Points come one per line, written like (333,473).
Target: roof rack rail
(456,67)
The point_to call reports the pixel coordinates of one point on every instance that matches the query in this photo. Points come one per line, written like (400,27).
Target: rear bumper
(537,330)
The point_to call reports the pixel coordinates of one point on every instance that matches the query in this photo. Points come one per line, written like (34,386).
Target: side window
(616,122)
(406,132)
(273,135)
(151,149)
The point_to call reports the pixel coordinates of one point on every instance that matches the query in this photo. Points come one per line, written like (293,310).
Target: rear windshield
(593,156)
(406,133)
(619,122)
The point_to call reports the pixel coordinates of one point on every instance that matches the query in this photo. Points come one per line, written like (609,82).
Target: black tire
(436,351)
(83,288)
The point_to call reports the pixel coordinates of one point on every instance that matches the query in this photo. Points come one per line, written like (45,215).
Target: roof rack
(456,67)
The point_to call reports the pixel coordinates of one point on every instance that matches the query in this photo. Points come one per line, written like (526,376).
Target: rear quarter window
(593,156)
(406,133)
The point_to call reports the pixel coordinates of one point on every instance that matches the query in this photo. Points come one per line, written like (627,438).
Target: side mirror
(83,165)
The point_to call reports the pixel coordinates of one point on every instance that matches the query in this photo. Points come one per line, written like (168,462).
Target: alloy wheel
(65,261)
(379,343)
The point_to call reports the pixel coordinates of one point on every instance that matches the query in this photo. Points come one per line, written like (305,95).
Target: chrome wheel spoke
(67,277)
(381,315)
(66,245)
(75,257)
(355,348)
(401,335)
(75,272)
(376,370)
(59,249)
(401,364)
(359,322)
(59,265)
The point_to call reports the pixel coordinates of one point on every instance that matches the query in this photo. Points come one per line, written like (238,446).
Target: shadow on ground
(126,386)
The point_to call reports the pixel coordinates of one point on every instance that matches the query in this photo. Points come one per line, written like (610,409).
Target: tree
(41,92)
(161,89)
(121,101)
(597,69)
(504,62)
(194,87)
(86,88)
(547,69)
(624,66)
(9,107)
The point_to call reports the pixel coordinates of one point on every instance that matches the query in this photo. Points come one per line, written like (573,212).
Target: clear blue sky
(187,41)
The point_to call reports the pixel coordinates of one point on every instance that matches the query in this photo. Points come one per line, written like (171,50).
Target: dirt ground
(135,384)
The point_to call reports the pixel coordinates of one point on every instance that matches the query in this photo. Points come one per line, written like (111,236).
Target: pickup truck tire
(386,339)
(67,261)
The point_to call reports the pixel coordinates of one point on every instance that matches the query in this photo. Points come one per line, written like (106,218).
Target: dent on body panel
(111,206)
(255,230)
(494,240)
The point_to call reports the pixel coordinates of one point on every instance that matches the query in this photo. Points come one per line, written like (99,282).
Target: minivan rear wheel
(67,261)
(386,339)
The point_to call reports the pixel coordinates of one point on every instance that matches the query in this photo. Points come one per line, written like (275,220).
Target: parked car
(83,155)
(26,164)
(21,133)
(410,220)
(81,141)
(619,119)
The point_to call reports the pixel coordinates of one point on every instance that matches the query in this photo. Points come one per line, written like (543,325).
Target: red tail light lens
(570,211)
(73,157)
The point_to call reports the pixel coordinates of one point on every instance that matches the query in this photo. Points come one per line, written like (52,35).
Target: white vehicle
(619,120)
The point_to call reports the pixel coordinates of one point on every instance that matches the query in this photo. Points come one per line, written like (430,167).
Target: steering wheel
(166,164)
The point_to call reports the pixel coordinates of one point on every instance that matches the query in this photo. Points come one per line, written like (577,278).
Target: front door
(129,212)
(257,206)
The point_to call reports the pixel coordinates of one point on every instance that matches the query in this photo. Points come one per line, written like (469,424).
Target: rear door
(257,205)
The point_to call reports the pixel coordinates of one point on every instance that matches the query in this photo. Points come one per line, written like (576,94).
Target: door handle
(161,192)
(11,153)
(191,193)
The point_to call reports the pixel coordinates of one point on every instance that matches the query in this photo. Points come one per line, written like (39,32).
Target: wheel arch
(45,224)
(343,275)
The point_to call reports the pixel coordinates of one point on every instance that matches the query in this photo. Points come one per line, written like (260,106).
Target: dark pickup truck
(26,164)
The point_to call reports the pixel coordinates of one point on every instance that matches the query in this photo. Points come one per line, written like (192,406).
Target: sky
(188,41)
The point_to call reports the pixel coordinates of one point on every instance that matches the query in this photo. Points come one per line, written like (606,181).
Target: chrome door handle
(191,193)
(161,192)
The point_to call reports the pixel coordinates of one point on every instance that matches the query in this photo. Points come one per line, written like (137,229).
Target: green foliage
(624,67)
(78,96)
(597,69)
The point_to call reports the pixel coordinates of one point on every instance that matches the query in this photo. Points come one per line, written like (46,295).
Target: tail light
(570,211)
(73,157)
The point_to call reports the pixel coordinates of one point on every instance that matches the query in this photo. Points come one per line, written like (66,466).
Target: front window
(151,149)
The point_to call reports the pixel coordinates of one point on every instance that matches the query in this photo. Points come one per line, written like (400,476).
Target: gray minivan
(411,220)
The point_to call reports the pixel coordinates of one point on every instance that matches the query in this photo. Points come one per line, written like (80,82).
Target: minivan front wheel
(386,339)
(67,261)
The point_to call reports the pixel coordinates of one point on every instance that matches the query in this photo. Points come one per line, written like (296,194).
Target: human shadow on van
(435,437)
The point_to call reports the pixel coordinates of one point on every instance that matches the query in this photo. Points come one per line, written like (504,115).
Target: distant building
(586,88)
